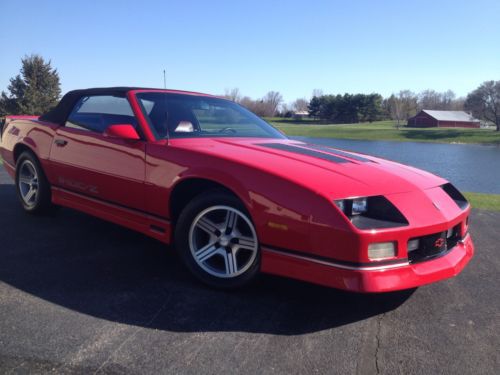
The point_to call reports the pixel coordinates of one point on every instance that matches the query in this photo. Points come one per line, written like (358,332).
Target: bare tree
(233,94)
(396,109)
(300,105)
(259,106)
(285,110)
(250,104)
(317,93)
(271,101)
(447,99)
(458,104)
(484,102)
(430,99)
(402,106)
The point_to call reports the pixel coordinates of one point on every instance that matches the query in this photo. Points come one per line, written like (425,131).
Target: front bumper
(368,279)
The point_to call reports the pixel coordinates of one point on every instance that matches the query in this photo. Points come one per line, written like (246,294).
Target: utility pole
(164,79)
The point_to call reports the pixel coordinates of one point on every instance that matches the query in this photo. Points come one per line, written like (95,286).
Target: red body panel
(93,164)
(288,195)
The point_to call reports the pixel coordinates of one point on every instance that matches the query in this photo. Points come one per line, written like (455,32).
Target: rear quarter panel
(33,134)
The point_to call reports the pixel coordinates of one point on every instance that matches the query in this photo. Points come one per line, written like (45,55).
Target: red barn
(443,119)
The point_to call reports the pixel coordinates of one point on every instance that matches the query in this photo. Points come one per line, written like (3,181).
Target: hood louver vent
(457,196)
(297,149)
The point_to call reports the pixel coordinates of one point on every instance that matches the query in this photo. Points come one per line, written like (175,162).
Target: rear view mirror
(123,131)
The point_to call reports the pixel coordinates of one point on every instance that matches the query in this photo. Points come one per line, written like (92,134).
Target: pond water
(469,167)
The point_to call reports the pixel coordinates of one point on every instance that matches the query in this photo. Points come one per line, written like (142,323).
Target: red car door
(86,161)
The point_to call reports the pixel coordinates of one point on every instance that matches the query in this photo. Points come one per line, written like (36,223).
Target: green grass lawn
(385,130)
(484,201)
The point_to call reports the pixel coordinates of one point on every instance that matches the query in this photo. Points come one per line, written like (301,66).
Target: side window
(96,113)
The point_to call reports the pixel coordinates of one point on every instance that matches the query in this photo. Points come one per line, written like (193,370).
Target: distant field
(385,130)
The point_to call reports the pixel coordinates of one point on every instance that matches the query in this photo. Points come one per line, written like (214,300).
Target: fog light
(413,245)
(381,250)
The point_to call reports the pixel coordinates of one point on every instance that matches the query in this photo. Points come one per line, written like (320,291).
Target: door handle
(60,142)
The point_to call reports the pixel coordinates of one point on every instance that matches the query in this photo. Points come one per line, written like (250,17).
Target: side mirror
(123,131)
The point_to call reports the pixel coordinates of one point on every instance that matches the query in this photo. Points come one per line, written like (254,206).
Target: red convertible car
(234,195)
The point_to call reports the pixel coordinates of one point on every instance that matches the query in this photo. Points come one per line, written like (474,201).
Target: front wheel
(217,241)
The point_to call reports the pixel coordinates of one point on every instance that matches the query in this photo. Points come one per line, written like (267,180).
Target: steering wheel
(228,130)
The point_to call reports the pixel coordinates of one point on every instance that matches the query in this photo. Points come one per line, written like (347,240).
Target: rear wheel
(217,241)
(33,189)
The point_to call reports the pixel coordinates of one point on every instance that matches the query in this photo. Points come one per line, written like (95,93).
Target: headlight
(355,206)
(359,206)
(371,212)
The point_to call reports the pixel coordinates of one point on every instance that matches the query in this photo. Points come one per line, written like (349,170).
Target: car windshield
(190,116)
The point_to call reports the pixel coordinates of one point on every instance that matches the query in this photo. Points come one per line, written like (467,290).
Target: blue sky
(287,46)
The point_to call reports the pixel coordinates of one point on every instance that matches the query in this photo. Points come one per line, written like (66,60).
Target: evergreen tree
(314,106)
(347,108)
(34,91)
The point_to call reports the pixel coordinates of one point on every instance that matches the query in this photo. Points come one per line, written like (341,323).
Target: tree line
(267,106)
(483,103)
(352,108)
(347,108)
(36,89)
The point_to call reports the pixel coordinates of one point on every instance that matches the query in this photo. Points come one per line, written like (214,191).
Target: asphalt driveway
(79,295)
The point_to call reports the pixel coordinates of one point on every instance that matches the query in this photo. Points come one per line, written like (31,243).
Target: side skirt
(149,225)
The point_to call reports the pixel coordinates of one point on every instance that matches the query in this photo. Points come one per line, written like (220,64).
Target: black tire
(186,227)
(41,203)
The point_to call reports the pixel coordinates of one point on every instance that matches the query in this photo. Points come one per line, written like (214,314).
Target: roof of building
(450,115)
(301,113)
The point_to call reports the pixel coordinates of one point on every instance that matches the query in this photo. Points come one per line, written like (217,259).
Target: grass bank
(484,201)
(386,131)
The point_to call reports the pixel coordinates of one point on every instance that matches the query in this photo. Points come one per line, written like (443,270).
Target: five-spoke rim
(28,183)
(223,241)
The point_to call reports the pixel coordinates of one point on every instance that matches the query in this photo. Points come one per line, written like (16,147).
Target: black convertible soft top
(60,113)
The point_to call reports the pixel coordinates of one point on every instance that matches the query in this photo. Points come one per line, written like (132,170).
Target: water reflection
(470,167)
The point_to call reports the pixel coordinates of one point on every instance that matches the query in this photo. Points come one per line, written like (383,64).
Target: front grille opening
(434,245)
(456,195)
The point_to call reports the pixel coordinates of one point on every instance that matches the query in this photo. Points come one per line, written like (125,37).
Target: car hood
(334,172)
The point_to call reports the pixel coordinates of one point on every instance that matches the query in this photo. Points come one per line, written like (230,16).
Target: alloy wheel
(223,241)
